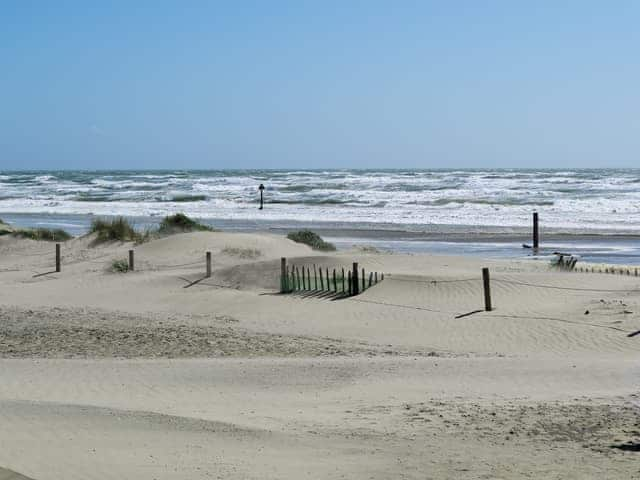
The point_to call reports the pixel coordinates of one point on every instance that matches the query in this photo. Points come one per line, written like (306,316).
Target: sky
(319,84)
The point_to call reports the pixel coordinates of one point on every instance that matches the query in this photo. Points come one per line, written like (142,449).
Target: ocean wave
(584,199)
(185,198)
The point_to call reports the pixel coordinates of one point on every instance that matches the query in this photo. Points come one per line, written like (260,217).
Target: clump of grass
(247,253)
(120,266)
(312,239)
(180,223)
(43,234)
(115,229)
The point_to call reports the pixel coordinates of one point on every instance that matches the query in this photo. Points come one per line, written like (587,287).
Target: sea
(593,213)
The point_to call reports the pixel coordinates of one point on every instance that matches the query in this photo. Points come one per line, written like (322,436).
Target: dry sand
(106,375)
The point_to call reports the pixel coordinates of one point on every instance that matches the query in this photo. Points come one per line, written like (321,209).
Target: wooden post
(376,277)
(308,278)
(298,277)
(335,281)
(58,262)
(315,277)
(536,239)
(354,277)
(370,279)
(132,264)
(208,257)
(321,280)
(349,284)
(283,275)
(343,281)
(487,289)
(364,286)
(381,276)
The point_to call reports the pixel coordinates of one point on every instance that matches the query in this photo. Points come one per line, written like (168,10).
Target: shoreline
(595,246)
(78,223)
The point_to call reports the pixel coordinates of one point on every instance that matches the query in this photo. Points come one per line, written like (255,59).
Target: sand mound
(11,475)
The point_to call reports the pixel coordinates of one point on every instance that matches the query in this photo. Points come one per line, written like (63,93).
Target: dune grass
(44,234)
(180,223)
(312,239)
(120,229)
(120,266)
(245,253)
(117,229)
(39,234)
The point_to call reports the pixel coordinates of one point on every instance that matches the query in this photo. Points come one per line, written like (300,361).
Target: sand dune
(160,373)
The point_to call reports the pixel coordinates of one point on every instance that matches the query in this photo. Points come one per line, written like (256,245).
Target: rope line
(391,277)
(516,282)
(553,287)
(200,262)
(525,317)
(399,305)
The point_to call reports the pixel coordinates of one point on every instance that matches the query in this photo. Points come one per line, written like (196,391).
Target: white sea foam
(581,199)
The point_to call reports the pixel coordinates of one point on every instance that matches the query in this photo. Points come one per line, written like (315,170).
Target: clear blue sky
(268,84)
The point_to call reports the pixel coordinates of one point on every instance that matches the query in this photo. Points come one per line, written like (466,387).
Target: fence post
(487,289)
(208,257)
(132,264)
(536,239)
(354,278)
(283,275)
(58,262)
(364,286)
(335,281)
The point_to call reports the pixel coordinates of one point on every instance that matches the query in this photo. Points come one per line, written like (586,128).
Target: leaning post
(58,262)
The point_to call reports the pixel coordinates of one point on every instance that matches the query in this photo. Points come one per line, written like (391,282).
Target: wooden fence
(339,281)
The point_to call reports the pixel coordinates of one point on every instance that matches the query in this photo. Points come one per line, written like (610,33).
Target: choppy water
(582,200)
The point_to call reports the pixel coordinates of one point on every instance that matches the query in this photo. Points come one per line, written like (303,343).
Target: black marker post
(261,188)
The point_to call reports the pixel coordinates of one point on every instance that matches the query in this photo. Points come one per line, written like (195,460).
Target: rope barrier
(399,305)
(410,280)
(573,322)
(554,287)
(200,262)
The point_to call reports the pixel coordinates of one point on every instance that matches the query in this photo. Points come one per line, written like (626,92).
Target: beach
(147,374)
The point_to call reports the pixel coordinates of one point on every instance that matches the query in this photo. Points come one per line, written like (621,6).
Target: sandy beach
(108,375)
